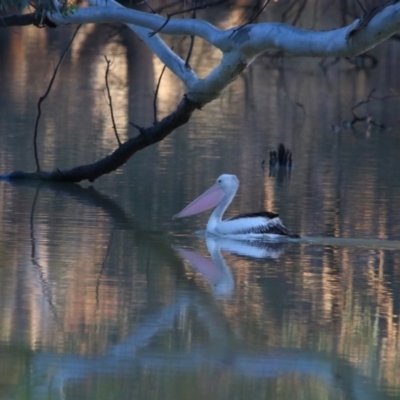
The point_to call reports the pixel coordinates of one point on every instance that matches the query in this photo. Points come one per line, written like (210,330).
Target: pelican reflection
(215,270)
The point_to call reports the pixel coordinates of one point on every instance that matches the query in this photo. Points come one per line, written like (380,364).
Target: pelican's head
(226,185)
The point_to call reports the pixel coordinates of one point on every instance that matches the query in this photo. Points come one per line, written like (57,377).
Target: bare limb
(109,63)
(44,98)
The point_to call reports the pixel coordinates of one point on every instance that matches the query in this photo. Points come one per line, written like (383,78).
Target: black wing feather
(264,214)
(274,226)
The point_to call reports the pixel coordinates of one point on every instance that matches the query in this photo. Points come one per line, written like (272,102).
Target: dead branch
(109,63)
(44,98)
(121,155)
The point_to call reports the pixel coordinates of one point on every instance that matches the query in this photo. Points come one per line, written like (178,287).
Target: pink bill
(209,199)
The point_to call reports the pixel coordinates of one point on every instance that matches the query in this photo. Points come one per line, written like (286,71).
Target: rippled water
(103,295)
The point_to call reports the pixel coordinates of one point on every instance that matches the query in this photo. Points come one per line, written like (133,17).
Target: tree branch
(255,39)
(110,12)
(120,156)
(300,42)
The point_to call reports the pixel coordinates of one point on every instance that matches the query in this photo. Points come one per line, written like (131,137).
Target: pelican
(253,225)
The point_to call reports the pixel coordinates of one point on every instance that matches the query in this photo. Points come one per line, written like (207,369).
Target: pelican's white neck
(217,214)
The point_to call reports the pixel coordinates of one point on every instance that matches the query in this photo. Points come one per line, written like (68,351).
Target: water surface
(103,295)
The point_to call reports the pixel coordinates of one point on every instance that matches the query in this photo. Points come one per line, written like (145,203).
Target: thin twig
(156,94)
(162,26)
(46,289)
(103,267)
(356,118)
(150,7)
(299,12)
(199,7)
(362,6)
(109,62)
(44,97)
(139,128)
(287,11)
(251,20)
(368,118)
(169,5)
(174,3)
(191,45)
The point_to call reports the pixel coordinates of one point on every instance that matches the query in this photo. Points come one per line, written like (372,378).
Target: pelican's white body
(244,226)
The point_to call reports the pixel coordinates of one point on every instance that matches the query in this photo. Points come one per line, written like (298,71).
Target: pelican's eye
(219,180)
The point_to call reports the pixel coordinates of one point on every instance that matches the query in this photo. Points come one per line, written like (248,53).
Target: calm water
(103,295)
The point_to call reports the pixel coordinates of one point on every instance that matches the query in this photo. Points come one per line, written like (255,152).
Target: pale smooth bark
(240,46)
